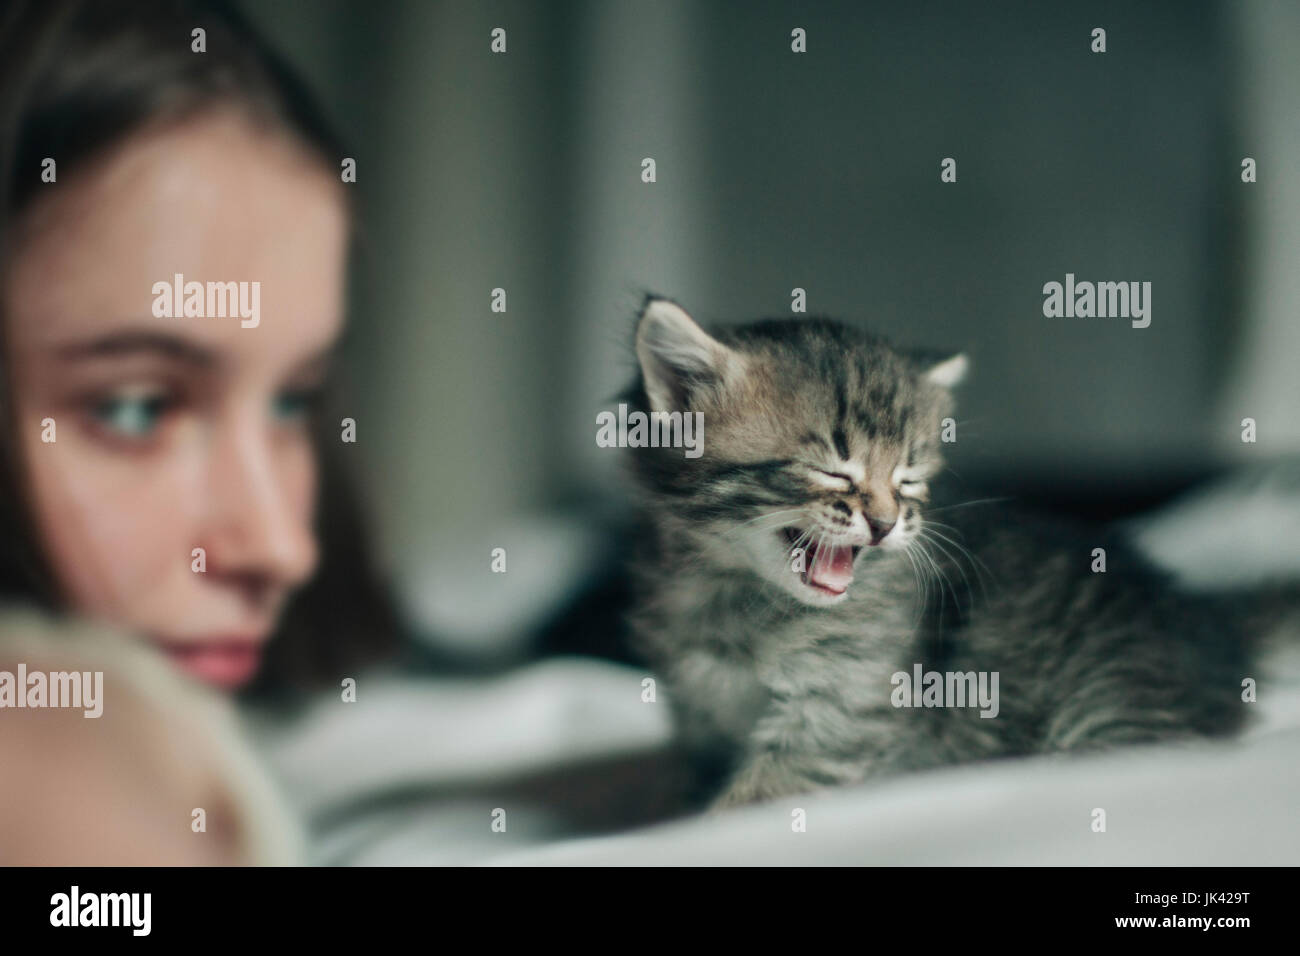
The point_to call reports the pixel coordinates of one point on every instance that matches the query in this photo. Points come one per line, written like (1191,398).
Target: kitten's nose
(879,528)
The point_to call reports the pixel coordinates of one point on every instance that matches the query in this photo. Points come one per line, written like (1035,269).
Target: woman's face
(181,433)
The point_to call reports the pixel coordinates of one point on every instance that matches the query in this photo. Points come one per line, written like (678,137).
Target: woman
(167,470)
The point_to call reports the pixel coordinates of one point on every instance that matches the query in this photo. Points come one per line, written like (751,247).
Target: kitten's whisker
(771,514)
(928,575)
(977,564)
(910,550)
(747,525)
(798,543)
(956,563)
(964,504)
(983,573)
(938,572)
(916,576)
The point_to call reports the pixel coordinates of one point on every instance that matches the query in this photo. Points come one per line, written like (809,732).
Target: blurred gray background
(779,170)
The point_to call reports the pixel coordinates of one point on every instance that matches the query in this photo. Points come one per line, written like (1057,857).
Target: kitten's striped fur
(818,433)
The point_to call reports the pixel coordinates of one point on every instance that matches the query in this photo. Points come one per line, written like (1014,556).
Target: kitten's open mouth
(827,567)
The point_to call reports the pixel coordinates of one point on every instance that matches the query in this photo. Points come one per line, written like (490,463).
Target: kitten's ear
(676,355)
(943,368)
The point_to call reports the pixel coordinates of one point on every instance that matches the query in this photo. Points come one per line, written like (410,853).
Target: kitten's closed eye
(918,490)
(911,481)
(832,480)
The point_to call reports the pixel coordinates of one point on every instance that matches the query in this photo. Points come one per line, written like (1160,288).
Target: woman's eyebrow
(130,342)
(320,363)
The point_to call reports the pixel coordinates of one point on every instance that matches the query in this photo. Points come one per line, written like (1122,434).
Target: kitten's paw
(734,797)
(760,782)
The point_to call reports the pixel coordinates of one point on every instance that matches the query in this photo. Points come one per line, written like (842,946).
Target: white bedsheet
(1235,804)
(376,776)
(377,773)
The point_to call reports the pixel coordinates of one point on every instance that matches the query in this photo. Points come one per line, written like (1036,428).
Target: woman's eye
(131,416)
(295,405)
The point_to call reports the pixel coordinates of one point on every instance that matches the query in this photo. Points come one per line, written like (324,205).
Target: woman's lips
(224,663)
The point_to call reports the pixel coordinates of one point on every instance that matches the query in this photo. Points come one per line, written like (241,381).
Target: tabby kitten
(794,575)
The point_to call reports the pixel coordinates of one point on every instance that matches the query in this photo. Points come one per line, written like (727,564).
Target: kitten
(795,572)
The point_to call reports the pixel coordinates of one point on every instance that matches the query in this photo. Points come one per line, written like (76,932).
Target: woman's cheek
(299,480)
(120,528)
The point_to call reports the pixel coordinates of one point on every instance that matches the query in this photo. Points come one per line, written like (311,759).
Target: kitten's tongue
(832,567)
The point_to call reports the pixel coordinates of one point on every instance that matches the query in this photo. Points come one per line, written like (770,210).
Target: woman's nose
(258,525)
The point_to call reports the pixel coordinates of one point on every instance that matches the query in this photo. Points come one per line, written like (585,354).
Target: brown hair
(76,77)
